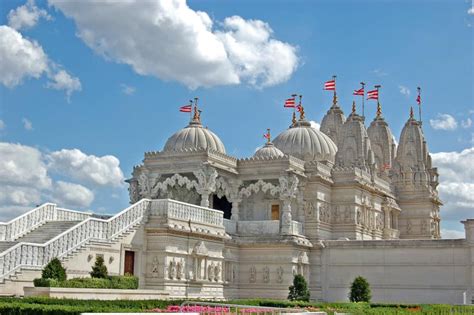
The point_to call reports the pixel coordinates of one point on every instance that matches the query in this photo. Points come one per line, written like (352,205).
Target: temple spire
(268,136)
(411,112)
(197,112)
(293,119)
(353,107)
(301,109)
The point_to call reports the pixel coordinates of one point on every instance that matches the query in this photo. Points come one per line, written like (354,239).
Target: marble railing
(37,255)
(177,210)
(264,227)
(26,222)
(230,226)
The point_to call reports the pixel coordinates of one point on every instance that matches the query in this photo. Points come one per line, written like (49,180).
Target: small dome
(194,137)
(268,151)
(306,143)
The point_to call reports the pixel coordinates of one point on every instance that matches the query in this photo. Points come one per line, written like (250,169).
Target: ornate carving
(217,272)
(172,269)
(266,274)
(173,181)
(280,272)
(206,176)
(253,275)
(288,186)
(179,270)
(260,185)
(210,272)
(324,212)
(154,267)
(144,185)
(200,249)
(133,191)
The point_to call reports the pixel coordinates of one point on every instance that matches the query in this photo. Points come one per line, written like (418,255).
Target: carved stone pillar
(206,176)
(288,189)
(235,209)
(235,199)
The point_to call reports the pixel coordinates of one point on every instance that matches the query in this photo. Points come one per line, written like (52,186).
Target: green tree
(99,270)
(299,290)
(360,290)
(54,270)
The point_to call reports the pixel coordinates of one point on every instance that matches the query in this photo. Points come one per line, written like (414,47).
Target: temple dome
(303,141)
(194,137)
(268,151)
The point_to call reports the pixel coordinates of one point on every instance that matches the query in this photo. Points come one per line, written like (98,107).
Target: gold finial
(353,107)
(293,120)
(334,100)
(197,112)
(379,109)
(301,109)
(411,112)
(268,135)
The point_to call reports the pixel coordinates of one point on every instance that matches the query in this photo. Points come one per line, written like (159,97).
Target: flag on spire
(373,95)
(290,103)
(330,85)
(185,109)
(359,92)
(418,99)
(298,108)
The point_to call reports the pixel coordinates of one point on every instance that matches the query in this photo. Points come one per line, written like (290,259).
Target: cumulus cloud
(21,58)
(26,16)
(444,122)
(452,234)
(103,170)
(29,177)
(404,90)
(466,123)
(169,40)
(27,124)
(456,174)
(72,194)
(471,10)
(127,89)
(315,124)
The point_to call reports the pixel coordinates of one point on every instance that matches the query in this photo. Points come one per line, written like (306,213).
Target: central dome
(306,142)
(194,137)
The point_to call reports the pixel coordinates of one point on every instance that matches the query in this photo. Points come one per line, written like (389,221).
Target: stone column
(205,199)
(206,176)
(286,218)
(288,189)
(235,209)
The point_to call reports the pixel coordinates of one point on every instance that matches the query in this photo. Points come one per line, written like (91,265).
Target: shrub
(299,290)
(360,290)
(113,282)
(54,270)
(99,270)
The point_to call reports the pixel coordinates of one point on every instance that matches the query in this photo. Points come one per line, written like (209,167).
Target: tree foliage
(54,270)
(299,290)
(360,290)
(99,270)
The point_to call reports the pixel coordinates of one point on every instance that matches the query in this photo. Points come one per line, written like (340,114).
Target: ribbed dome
(194,137)
(268,151)
(305,142)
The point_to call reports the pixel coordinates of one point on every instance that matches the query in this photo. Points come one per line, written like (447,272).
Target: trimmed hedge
(112,282)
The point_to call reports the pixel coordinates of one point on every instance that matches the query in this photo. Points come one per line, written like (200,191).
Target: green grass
(50,306)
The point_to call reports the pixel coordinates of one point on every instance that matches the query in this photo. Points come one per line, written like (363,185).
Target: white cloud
(379,73)
(466,123)
(21,58)
(456,175)
(471,10)
(169,40)
(26,16)
(2,125)
(62,80)
(72,194)
(127,89)
(452,234)
(444,122)
(315,124)
(103,170)
(404,90)
(27,124)
(26,178)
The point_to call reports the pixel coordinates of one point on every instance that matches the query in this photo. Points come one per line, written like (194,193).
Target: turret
(354,148)
(382,142)
(416,182)
(333,120)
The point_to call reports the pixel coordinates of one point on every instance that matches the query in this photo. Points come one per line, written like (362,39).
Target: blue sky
(121,113)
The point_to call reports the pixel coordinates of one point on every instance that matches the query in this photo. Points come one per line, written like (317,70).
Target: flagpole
(191,111)
(334,78)
(294,107)
(363,96)
(419,103)
(379,108)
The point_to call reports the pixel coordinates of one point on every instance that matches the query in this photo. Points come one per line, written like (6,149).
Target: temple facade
(330,204)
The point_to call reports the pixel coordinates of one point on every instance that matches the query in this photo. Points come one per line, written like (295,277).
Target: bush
(99,270)
(113,282)
(360,290)
(299,290)
(54,270)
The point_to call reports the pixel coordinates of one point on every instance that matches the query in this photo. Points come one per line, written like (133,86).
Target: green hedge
(112,282)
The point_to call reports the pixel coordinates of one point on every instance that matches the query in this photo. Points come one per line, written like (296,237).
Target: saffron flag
(298,108)
(185,109)
(418,99)
(373,95)
(290,102)
(266,136)
(359,92)
(330,85)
